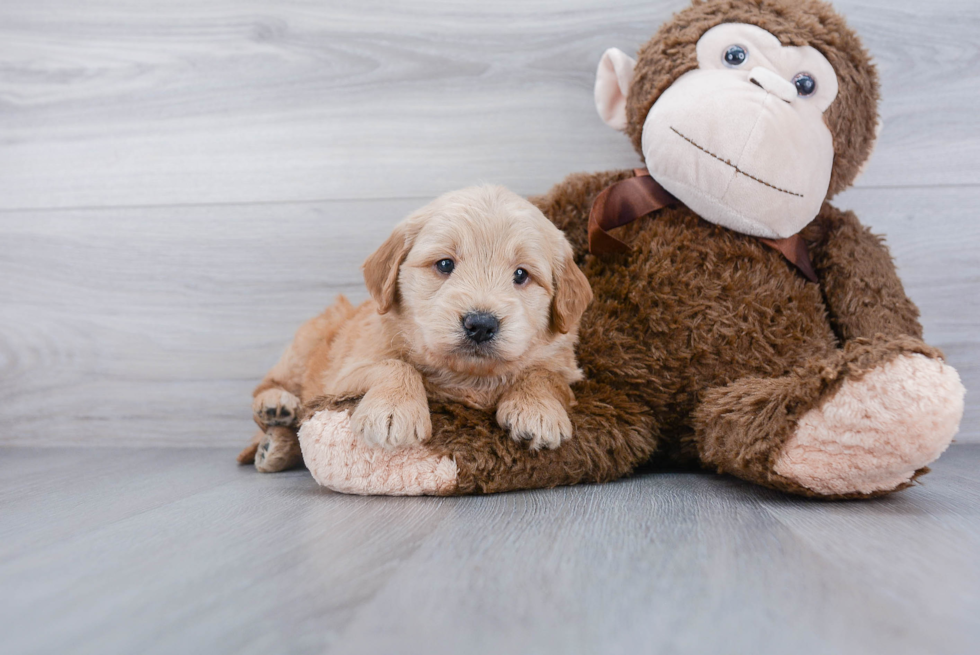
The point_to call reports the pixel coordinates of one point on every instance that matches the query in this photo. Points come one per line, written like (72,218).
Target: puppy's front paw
(275,407)
(383,419)
(542,421)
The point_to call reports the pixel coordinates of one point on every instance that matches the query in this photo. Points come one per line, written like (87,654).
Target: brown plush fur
(703,346)
(714,377)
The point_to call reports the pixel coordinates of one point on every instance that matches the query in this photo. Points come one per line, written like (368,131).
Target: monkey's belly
(696,306)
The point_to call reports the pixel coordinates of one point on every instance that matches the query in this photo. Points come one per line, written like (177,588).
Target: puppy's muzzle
(480,327)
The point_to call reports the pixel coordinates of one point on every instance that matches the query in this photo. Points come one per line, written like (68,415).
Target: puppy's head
(477,280)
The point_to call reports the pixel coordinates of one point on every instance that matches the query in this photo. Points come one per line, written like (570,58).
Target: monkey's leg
(612,435)
(469,453)
(862,423)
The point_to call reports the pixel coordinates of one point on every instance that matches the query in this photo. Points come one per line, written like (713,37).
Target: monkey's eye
(520,276)
(736,55)
(805,84)
(445,266)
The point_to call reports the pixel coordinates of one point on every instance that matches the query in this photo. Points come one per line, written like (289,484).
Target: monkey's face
(741,140)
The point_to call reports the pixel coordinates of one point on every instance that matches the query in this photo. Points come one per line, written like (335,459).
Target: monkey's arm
(567,204)
(861,287)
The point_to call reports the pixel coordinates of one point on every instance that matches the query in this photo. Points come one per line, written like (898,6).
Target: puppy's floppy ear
(381,268)
(572,293)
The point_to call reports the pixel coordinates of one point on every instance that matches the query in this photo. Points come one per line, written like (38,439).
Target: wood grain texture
(177,550)
(152,325)
(120,103)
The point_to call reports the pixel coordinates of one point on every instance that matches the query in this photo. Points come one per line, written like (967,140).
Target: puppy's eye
(520,276)
(735,55)
(445,266)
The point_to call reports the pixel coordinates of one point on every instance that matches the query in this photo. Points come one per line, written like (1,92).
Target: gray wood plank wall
(181,183)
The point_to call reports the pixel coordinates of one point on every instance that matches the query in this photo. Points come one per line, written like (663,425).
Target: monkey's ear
(612,84)
(381,268)
(572,294)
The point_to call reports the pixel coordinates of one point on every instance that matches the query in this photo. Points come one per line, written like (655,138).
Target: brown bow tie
(629,199)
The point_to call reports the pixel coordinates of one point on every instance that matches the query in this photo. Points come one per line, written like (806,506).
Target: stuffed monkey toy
(741,323)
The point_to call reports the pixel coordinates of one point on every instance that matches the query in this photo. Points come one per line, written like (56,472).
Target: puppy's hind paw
(541,421)
(275,407)
(278,450)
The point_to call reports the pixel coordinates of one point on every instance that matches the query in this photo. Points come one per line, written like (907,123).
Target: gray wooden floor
(179,551)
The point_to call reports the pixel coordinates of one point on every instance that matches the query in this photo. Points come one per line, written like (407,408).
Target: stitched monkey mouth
(737,169)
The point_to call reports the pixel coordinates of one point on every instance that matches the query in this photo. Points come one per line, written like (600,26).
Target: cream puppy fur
(475,298)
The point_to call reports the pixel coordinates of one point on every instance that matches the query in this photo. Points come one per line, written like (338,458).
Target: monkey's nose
(773,83)
(480,326)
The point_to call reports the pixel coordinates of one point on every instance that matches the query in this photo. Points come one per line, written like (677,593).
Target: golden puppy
(475,299)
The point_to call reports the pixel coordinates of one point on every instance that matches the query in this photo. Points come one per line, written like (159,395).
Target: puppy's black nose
(480,326)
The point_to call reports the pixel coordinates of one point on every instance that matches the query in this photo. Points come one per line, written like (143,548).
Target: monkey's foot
(341,461)
(877,431)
